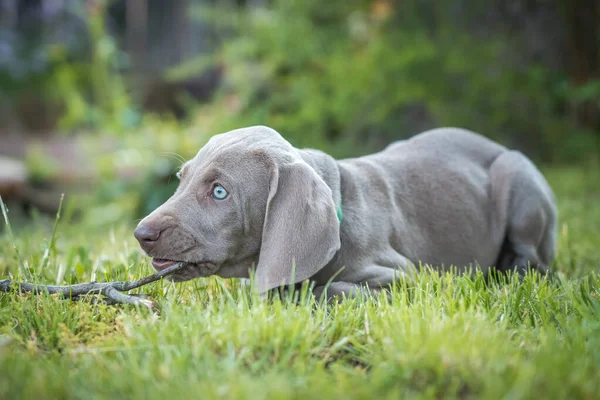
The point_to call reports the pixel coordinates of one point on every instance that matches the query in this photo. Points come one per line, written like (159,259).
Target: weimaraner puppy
(446,197)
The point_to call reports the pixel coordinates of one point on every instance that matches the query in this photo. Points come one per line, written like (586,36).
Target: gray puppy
(446,197)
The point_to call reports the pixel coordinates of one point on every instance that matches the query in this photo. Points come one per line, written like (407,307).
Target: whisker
(172,155)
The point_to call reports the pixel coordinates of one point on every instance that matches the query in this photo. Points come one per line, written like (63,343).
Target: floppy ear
(301,231)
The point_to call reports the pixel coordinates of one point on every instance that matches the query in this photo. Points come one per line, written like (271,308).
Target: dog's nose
(146,234)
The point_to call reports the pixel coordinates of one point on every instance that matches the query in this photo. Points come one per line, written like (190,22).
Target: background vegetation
(103,100)
(347,76)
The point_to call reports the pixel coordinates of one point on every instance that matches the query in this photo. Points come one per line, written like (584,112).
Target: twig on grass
(113,291)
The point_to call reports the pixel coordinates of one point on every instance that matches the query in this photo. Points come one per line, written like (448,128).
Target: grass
(444,336)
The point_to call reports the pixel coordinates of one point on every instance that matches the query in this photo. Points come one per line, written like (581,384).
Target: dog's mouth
(162,263)
(204,268)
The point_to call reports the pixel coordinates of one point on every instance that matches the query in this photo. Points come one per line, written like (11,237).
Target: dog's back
(453,200)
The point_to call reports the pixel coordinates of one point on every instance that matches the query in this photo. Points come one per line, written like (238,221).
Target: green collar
(340,213)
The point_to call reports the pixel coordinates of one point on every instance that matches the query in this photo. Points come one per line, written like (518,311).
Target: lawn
(444,336)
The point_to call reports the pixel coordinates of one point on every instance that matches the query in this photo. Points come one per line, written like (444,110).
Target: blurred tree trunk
(8,13)
(183,29)
(583,20)
(137,21)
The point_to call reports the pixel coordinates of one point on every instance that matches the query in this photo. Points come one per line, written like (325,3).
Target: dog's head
(247,198)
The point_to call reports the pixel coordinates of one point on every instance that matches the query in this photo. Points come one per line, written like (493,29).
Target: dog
(446,198)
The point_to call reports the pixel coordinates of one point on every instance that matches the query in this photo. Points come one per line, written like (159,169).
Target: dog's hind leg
(526,208)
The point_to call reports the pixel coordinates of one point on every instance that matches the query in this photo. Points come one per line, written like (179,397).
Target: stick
(112,290)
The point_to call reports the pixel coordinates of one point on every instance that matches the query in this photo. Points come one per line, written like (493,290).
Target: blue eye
(219,193)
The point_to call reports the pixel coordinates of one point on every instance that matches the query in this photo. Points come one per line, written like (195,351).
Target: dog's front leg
(338,290)
(363,283)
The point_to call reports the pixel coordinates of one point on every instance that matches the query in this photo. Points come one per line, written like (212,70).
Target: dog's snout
(146,234)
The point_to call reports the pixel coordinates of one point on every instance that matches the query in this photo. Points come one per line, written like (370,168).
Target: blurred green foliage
(351,76)
(76,79)
(345,76)
(92,91)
